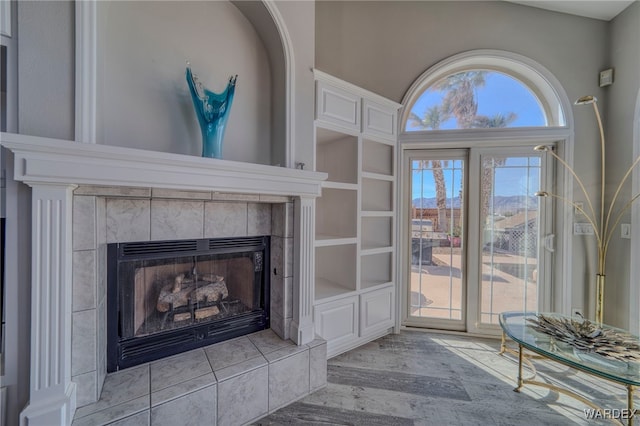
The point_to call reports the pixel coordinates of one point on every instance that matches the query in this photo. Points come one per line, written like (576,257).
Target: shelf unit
(337,155)
(355,243)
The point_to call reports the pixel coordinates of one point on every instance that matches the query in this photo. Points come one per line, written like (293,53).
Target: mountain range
(501,203)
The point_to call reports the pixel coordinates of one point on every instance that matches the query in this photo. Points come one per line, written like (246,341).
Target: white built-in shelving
(355,243)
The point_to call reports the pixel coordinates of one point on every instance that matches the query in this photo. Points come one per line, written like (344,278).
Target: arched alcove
(265,18)
(131,89)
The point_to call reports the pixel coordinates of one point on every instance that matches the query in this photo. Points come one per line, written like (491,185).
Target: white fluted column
(52,393)
(302,329)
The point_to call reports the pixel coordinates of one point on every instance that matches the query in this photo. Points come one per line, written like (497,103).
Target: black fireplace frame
(125,352)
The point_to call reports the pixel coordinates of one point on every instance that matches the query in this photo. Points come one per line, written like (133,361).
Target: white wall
(622,97)
(46,71)
(17,294)
(11,73)
(299,17)
(352,37)
(143,97)
(384,46)
(44,36)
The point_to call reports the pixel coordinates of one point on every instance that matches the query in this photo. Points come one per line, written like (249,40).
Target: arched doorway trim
(560,128)
(289,62)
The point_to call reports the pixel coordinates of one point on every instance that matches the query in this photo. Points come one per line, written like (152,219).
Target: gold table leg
(503,345)
(520,378)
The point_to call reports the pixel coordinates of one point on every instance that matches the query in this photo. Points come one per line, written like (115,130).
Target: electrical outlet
(625,230)
(582,229)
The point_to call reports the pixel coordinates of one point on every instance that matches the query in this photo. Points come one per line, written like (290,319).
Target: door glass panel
(437,267)
(510,230)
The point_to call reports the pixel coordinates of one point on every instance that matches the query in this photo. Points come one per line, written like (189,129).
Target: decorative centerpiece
(213,111)
(586,336)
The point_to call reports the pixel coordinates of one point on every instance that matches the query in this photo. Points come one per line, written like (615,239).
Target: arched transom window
(482,91)
(476,99)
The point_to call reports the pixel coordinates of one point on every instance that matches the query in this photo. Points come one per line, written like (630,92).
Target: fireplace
(167,297)
(86,196)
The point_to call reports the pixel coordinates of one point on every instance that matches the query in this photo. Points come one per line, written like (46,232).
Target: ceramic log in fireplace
(167,297)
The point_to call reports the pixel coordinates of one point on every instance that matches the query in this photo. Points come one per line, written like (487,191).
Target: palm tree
(488,168)
(496,121)
(432,119)
(460,101)
(460,96)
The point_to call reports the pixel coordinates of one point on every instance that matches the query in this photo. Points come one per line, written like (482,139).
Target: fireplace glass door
(172,296)
(182,291)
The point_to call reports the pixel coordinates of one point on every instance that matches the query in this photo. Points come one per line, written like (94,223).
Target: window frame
(533,76)
(560,129)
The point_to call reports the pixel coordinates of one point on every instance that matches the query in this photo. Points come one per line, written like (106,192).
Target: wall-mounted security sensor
(606,77)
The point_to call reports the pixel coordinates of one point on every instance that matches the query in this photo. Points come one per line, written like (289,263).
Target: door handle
(549,242)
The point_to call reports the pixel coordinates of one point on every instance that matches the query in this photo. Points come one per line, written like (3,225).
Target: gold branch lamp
(605,222)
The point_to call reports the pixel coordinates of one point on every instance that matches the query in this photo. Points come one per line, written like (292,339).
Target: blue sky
(500,94)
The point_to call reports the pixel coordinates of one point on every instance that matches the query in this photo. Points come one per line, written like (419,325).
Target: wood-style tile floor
(424,378)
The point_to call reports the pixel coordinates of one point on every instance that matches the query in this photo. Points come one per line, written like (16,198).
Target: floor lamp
(605,222)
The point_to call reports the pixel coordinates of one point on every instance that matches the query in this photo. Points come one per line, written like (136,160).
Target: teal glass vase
(212,110)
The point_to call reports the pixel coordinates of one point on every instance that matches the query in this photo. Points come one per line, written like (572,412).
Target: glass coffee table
(524,328)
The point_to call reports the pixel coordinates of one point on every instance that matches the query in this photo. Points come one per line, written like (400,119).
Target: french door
(475,231)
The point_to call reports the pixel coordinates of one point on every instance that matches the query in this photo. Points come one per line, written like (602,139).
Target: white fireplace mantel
(46,160)
(53,168)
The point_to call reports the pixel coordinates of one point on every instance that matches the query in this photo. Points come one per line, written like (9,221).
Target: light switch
(606,77)
(578,207)
(625,230)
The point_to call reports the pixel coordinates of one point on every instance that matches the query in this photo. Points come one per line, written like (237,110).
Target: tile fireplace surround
(85,196)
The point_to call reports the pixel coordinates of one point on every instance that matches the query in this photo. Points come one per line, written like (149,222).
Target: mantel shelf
(44,160)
